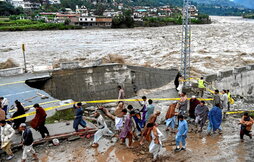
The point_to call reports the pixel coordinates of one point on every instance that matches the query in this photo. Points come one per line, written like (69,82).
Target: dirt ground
(200,147)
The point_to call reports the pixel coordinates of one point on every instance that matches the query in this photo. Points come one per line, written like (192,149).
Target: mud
(200,147)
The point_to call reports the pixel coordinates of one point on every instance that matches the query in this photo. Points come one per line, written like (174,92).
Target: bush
(38,26)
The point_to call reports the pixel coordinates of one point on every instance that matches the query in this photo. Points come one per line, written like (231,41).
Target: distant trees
(99,9)
(123,21)
(6,9)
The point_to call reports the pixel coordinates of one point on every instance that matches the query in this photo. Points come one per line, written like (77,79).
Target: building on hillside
(60,18)
(112,13)
(140,13)
(25,4)
(82,10)
(93,21)
(54,1)
(120,6)
(193,10)
(68,11)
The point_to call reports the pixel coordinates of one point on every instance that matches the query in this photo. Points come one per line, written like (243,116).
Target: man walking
(154,135)
(170,117)
(27,141)
(201,87)
(215,119)
(183,104)
(176,82)
(194,102)
(224,100)
(201,113)
(2,114)
(4,102)
(246,125)
(102,129)
(181,134)
(127,129)
(121,94)
(119,116)
(144,105)
(78,117)
(150,110)
(38,122)
(216,98)
(7,133)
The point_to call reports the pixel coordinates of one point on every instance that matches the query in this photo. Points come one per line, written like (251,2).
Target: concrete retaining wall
(100,82)
(240,81)
(11,71)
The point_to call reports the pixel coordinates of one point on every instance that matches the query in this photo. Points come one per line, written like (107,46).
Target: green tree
(123,21)
(6,9)
(99,9)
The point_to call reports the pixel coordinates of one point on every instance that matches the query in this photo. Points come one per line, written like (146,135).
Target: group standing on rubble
(130,123)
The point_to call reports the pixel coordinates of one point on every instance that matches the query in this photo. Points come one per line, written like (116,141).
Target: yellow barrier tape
(43,103)
(238,112)
(12,83)
(100,101)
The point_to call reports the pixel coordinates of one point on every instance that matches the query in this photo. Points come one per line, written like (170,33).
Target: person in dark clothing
(246,124)
(137,117)
(27,141)
(38,122)
(193,104)
(78,117)
(177,80)
(20,111)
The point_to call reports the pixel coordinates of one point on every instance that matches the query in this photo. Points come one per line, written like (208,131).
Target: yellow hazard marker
(238,112)
(11,83)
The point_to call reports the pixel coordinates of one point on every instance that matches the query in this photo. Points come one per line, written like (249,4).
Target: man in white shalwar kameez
(155,137)
(102,129)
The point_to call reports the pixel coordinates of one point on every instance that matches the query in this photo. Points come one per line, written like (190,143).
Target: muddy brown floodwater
(224,44)
(200,147)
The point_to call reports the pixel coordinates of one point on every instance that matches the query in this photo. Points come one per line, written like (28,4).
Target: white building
(54,2)
(87,19)
(82,10)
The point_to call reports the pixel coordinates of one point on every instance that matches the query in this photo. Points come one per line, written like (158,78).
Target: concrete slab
(15,88)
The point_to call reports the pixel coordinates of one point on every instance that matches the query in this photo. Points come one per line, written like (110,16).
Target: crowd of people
(11,125)
(131,123)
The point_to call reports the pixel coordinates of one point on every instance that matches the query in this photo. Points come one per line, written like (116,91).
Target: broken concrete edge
(238,80)
(101,82)
(228,73)
(57,136)
(11,71)
(66,66)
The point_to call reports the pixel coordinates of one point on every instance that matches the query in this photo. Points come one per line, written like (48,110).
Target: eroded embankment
(100,82)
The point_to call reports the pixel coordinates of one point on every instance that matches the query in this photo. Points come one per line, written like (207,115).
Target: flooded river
(226,43)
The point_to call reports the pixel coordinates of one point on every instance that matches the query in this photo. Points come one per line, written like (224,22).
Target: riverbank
(249,16)
(28,25)
(165,21)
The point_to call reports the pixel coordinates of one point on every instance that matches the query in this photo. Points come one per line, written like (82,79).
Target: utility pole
(186,42)
(24,55)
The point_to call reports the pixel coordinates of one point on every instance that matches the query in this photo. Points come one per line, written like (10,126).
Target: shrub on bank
(38,26)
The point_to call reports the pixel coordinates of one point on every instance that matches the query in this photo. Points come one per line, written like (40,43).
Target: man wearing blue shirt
(181,134)
(78,117)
